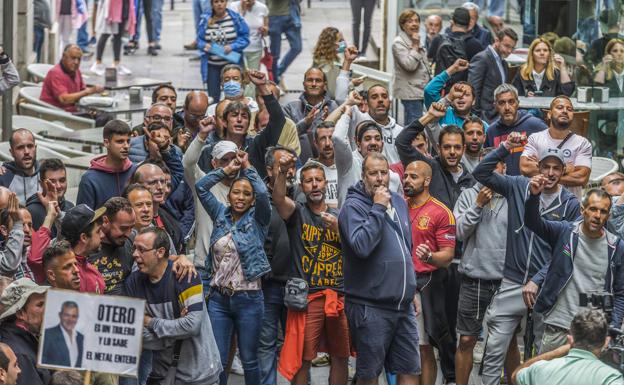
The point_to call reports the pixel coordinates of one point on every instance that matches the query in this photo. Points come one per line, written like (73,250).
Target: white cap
(223,148)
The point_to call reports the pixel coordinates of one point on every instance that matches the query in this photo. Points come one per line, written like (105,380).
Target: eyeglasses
(158,118)
(140,250)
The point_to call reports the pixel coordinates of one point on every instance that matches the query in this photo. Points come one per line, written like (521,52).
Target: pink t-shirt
(577,150)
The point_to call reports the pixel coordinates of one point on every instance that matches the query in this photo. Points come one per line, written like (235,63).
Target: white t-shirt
(255,20)
(577,150)
(331,176)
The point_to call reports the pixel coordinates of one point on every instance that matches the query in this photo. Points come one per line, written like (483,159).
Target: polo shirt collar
(580,353)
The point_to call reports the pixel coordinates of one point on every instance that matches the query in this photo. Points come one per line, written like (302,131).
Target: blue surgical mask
(342,46)
(232,89)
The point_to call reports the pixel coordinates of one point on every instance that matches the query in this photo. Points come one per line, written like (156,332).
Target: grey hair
(470,5)
(589,329)
(503,89)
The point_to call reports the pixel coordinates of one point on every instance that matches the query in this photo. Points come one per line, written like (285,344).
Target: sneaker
(86,54)
(93,41)
(98,69)
(321,360)
(237,366)
(123,70)
(152,51)
(191,46)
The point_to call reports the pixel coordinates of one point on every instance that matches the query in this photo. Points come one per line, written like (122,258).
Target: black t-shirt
(317,254)
(115,265)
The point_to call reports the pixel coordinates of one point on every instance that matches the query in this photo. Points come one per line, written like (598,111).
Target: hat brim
(98,214)
(554,157)
(23,299)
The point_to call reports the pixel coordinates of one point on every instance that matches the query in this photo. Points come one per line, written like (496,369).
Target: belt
(483,281)
(228,291)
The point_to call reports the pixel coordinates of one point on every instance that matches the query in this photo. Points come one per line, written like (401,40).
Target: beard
(413,191)
(561,125)
(315,198)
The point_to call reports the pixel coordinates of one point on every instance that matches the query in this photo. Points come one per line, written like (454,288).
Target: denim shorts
(475,296)
(383,339)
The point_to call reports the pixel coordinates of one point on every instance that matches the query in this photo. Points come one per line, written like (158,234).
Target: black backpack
(450,49)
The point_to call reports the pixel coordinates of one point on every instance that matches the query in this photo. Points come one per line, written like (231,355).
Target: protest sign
(91,332)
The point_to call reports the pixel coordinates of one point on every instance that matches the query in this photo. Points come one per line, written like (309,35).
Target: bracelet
(429,257)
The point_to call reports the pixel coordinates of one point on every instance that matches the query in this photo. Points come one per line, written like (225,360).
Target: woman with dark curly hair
(325,57)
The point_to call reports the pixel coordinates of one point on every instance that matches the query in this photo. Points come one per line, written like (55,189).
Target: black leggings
(356,10)
(116,37)
(116,46)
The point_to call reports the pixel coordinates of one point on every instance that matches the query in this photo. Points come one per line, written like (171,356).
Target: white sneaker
(123,70)
(98,69)
(237,366)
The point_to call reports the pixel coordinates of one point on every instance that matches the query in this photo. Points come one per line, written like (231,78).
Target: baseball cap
(15,296)
(554,152)
(222,148)
(78,218)
(461,16)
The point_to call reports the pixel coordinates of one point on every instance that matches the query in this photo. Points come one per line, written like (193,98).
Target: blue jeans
(277,26)
(82,39)
(412,110)
(214,82)
(199,6)
(157,9)
(241,313)
(38,41)
(274,314)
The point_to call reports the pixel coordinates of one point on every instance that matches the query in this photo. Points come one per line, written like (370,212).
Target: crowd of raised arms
(322,225)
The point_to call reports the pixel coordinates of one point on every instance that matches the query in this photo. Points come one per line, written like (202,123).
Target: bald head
(433,25)
(4,197)
(416,180)
(421,168)
(195,106)
(152,177)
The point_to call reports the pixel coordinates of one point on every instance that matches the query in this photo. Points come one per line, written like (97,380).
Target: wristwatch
(429,256)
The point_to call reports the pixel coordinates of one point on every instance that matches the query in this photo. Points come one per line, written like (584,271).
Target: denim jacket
(249,232)
(238,45)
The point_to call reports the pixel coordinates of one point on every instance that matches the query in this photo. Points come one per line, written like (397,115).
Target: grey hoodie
(484,233)
(11,254)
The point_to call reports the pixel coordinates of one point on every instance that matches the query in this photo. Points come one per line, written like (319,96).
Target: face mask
(342,46)
(232,89)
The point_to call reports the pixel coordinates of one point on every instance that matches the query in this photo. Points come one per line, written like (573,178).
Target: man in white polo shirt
(576,150)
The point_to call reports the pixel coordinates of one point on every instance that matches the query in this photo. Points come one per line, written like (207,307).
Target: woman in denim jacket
(236,260)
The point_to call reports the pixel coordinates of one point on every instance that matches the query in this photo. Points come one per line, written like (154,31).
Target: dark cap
(461,16)
(78,218)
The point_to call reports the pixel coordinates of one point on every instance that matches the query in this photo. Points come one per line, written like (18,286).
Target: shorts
(383,338)
(475,296)
(423,337)
(333,331)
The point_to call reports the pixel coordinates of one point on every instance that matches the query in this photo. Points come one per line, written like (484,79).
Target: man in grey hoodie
(176,316)
(526,253)
(481,224)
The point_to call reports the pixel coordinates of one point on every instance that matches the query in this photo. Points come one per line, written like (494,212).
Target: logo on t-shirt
(423,222)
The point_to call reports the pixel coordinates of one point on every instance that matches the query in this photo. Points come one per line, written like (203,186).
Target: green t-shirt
(278,7)
(579,367)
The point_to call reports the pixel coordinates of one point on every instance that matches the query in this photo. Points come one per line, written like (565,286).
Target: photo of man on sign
(64,345)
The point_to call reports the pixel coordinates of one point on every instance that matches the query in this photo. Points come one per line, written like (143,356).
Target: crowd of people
(283,230)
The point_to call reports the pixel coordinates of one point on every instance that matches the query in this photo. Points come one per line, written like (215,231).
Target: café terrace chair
(55,115)
(38,71)
(31,95)
(601,167)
